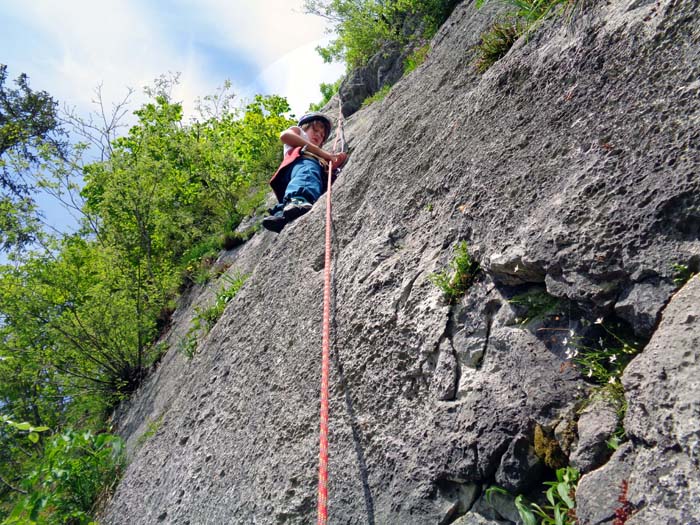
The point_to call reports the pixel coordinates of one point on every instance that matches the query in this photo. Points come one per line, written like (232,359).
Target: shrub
(77,468)
(231,239)
(561,498)
(682,273)
(327,90)
(496,43)
(537,305)
(522,18)
(364,26)
(603,361)
(416,58)
(378,96)
(204,320)
(464,269)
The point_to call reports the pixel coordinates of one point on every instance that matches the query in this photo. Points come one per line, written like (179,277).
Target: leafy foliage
(378,96)
(537,304)
(327,90)
(496,42)
(30,133)
(523,17)
(682,273)
(364,26)
(464,269)
(561,498)
(416,58)
(205,319)
(79,320)
(63,486)
(603,361)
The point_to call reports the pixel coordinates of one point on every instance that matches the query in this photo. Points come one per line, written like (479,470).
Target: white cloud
(264,30)
(70,47)
(298,76)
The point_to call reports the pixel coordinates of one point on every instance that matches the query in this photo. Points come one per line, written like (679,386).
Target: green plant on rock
(604,360)
(537,304)
(151,429)
(682,274)
(456,282)
(77,468)
(523,17)
(416,58)
(205,319)
(378,96)
(212,314)
(496,42)
(548,449)
(231,240)
(561,496)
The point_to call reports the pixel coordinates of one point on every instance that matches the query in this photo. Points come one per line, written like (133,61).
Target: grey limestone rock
(597,423)
(661,463)
(581,147)
(641,304)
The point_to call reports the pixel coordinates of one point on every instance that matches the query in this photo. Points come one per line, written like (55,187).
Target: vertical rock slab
(661,464)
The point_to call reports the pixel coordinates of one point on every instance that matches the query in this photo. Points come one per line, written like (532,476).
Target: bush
(522,18)
(496,42)
(464,269)
(76,470)
(364,26)
(416,58)
(204,320)
(378,96)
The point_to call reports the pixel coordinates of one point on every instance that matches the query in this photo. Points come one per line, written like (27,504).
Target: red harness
(279,181)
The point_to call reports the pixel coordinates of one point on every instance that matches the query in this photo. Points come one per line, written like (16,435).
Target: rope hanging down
(325,360)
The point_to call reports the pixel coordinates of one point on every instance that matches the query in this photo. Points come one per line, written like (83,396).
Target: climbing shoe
(275,222)
(296,207)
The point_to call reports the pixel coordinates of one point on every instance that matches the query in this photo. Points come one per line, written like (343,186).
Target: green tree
(364,26)
(30,132)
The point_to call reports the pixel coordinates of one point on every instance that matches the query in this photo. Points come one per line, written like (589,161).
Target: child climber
(300,180)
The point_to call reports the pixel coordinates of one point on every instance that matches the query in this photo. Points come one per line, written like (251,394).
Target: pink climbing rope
(326,349)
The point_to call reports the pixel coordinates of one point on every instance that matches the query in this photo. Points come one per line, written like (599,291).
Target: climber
(300,181)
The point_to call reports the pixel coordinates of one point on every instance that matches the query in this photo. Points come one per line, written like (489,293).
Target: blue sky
(68,47)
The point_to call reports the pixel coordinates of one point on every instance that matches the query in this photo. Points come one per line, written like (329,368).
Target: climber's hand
(338,159)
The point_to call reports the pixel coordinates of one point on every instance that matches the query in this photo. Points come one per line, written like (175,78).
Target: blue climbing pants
(305,180)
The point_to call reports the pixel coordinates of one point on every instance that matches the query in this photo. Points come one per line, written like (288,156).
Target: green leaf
(563,490)
(23,426)
(550,496)
(38,505)
(525,513)
(559,516)
(39,429)
(33,437)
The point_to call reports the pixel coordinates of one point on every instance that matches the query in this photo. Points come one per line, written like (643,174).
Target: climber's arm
(292,137)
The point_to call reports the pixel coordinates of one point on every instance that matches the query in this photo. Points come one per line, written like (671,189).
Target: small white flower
(516,268)
(571,332)
(613,358)
(612,380)
(590,372)
(599,320)
(600,342)
(565,341)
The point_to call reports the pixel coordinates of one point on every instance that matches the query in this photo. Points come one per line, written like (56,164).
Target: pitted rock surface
(575,158)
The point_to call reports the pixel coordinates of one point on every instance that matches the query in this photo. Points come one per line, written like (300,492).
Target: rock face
(571,169)
(661,464)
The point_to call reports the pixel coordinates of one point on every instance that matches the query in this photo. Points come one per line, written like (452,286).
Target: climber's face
(316,132)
